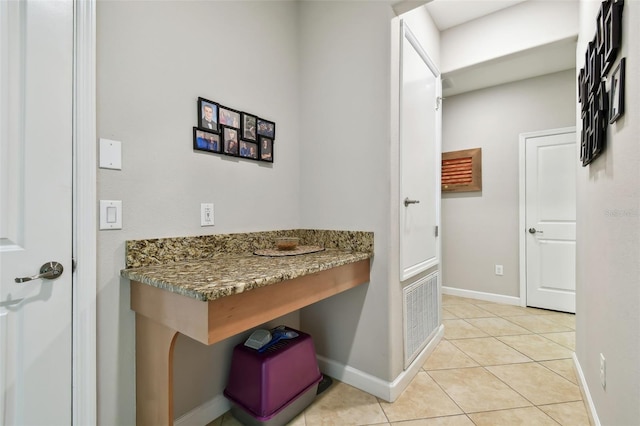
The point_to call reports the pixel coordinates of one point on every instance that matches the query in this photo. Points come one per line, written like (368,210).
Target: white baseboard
(479,295)
(205,413)
(388,391)
(591,408)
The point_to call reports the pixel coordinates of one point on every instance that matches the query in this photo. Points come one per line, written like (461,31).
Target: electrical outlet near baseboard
(603,371)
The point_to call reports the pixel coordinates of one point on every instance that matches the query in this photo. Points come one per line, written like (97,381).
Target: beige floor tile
(568,320)
(460,420)
(489,351)
(422,398)
(530,416)
(538,324)
(447,315)
(536,347)
(497,326)
(537,311)
(536,383)
(566,339)
(475,389)
(467,310)
(342,404)
(568,414)
(229,420)
(445,356)
(563,367)
(460,329)
(505,310)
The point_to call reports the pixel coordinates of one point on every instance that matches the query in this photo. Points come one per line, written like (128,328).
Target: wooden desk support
(161,315)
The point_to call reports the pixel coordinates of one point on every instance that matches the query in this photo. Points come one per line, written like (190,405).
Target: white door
(36,60)
(550,219)
(419,158)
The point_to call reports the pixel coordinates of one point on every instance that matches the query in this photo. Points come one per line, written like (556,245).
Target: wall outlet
(603,372)
(499,270)
(206,214)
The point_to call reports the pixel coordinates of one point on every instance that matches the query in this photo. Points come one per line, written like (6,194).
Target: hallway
(496,365)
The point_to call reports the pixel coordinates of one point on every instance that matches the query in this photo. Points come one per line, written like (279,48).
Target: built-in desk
(220,294)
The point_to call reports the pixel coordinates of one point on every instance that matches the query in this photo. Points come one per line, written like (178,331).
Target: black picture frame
(204,140)
(229,117)
(616,92)
(585,152)
(612,33)
(211,125)
(249,150)
(595,67)
(231,139)
(266,128)
(583,91)
(249,125)
(266,149)
(601,25)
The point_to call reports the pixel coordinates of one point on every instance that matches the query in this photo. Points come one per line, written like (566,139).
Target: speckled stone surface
(210,267)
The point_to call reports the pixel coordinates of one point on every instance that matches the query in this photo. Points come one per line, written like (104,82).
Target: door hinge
(439,102)
(73,265)
(437,230)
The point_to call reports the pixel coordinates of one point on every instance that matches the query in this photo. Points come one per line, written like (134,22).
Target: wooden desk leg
(154,372)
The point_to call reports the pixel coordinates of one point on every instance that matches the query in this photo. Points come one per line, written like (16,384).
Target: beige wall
(480,229)
(608,243)
(153,61)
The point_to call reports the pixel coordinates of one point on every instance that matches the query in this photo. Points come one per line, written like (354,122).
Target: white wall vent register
(421,315)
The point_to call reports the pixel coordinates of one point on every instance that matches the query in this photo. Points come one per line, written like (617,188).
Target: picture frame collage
(227,131)
(600,107)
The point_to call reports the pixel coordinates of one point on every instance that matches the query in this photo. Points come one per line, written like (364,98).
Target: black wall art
(226,131)
(600,107)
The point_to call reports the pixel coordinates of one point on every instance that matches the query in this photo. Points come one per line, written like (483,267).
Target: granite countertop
(210,267)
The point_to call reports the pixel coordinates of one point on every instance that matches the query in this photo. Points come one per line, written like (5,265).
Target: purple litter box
(273,387)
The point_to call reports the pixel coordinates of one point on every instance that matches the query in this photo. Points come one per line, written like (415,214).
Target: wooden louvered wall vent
(462,170)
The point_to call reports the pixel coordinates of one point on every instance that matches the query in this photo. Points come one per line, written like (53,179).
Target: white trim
(84,393)
(205,413)
(480,295)
(388,391)
(582,382)
(522,236)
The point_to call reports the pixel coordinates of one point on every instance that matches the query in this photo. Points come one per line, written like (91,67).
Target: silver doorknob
(407,201)
(48,271)
(534,231)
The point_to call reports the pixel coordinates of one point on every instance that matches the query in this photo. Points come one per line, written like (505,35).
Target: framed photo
(208,115)
(599,134)
(266,128)
(230,137)
(584,143)
(249,125)
(616,92)
(266,149)
(600,25)
(206,141)
(249,150)
(583,91)
(603,99)
(229,117)
(612,33)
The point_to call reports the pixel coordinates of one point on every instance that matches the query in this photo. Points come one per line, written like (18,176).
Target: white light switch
(206,214)
(110,214)
(110,154)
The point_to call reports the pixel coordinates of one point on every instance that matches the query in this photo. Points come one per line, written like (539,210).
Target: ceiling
(541,60)
(449,13)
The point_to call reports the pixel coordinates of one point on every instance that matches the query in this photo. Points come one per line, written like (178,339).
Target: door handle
(407,201)
(534,231)
(48,271)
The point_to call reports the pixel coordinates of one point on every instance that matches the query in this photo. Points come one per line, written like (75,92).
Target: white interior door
(550,223)
(36,72)
(419,158)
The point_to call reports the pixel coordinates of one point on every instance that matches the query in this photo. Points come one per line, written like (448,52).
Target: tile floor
(496,365)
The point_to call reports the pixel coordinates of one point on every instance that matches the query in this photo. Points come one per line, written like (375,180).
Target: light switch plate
(110,214)
(206,214)
(110,154)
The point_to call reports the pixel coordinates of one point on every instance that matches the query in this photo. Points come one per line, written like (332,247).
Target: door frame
(523,201)
(84,331)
